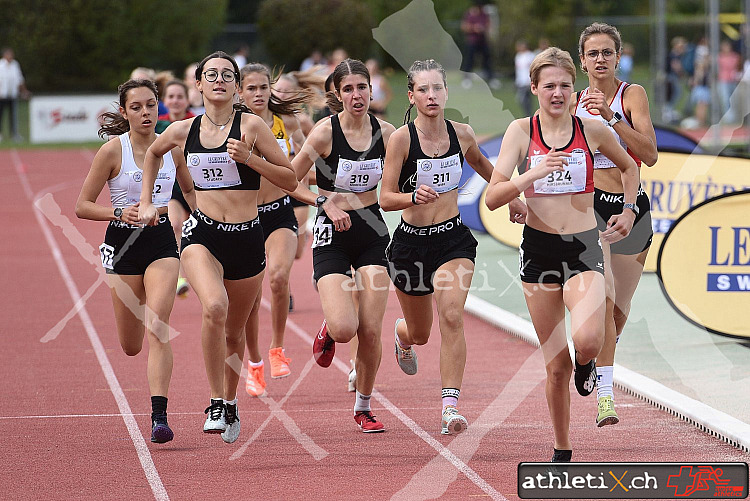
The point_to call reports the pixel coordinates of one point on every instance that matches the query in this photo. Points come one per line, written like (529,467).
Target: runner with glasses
(624,109)
(222,241)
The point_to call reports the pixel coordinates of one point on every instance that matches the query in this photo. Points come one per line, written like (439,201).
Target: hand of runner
(594,101)
(340,219)
(425,195)
(517,211)
(619,226)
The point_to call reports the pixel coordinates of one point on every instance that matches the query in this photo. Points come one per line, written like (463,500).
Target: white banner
(67,119)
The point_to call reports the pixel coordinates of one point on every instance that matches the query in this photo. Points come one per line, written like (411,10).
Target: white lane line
(144,456)
(413,426)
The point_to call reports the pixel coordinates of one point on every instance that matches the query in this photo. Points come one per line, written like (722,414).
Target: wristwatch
(118,213)
(615,118)
(320,200)
(632,207)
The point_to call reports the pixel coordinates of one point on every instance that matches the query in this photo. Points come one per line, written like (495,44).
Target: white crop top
(600,161)
(125,187)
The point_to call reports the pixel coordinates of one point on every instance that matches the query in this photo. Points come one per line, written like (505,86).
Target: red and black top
(578,176)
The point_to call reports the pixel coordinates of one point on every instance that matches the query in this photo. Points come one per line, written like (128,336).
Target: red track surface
(64,435)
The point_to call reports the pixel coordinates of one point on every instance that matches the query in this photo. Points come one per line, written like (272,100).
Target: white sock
(604,381)
(230,402)
(255,364)
(361,403)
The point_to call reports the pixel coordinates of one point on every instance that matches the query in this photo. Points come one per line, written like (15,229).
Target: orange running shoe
(279,363)
(256,382)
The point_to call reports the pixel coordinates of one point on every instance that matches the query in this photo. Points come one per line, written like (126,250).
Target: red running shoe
(367,422)
(324,347)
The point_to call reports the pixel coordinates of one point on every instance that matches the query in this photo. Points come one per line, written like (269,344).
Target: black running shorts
(237,246)
(277,214)
(416,252)
(608,204)
(130,249)
(550,258)
(361,245)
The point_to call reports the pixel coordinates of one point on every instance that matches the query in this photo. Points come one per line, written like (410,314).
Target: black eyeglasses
(212,75)
(606,54)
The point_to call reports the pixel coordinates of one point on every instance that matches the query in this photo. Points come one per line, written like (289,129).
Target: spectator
(195,98)
(314,59)
(381,90)
(240,57)
(162,79)
(541,45)
(625,68)
(12,87)
(675,73)
(337,56)
(475,27)
(523,60)
(700,92)
(729,67)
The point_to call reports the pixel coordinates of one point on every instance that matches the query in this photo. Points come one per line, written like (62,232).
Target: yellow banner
(704,265)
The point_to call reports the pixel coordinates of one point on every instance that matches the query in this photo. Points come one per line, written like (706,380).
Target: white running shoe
(215,419)
(453,423)
(233,423)
(407,359)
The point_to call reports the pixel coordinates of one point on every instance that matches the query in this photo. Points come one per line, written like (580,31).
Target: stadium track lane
(92,457)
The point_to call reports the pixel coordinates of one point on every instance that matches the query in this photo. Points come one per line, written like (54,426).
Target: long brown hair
(113,123)
(277,105)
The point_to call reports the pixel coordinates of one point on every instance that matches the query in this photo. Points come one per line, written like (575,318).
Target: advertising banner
(704,265)
(67,119)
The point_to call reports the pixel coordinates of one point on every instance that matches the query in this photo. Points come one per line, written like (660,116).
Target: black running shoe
(585,377)
(562,456)
(160,430)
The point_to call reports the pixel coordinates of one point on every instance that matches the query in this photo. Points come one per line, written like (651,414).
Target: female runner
(349,232)
(432,251)
(176,100)
(142,262)
(624,108)
(222,241)
(278,221)
(561,258)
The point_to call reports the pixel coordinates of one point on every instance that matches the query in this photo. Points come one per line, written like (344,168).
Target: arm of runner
(104,164)
(619,225)
(173,136)
(184,178)
(262,153)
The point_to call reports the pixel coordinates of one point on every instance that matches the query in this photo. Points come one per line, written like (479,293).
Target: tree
(290,29)
(88,45)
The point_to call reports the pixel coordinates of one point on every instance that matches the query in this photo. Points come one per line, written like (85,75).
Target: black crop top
(213,168)
(407,180)
(365,175)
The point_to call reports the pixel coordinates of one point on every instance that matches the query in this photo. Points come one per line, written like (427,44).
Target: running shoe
(367,422)
(324,347)
(407,359)
(585,377)
(606,414)
(160,430)
(279,363)
(233,423)
(453,423)
(352,386)
(215,419)
(182,287)
(562,456)
(255,385)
